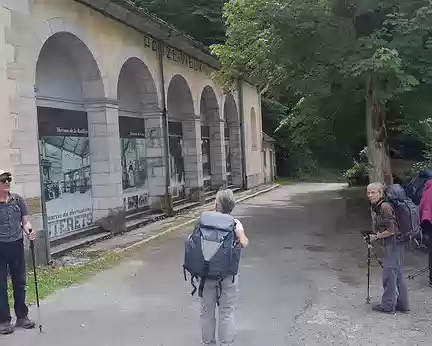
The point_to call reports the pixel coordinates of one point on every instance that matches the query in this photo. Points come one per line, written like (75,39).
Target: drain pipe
(168,196)
(242,133)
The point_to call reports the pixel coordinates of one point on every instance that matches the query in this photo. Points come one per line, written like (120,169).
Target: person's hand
(32,235)
(373,237)
(28,230)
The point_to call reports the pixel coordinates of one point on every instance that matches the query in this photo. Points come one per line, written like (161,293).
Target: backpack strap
(219,291)
(193,285)
(203,279)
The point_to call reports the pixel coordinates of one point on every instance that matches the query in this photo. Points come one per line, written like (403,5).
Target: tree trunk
(378,150)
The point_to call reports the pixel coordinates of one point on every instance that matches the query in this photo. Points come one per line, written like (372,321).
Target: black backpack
(212,251)
(416,185)
(407,213)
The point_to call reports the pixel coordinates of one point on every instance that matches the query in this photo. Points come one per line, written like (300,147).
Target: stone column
(156,169)
(217,155)
(106,173)
(193,159)
(236,154)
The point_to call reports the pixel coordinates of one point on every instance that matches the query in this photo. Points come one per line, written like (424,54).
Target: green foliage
(316,56)
(359,170)
(202,19)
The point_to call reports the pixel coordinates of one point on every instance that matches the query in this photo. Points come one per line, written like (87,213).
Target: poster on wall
(177,167)
(65,167)
(228,155)
(134,163)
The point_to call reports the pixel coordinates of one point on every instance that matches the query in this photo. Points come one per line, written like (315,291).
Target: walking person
(395,296)
(426,221)
(14,223)
(225,202)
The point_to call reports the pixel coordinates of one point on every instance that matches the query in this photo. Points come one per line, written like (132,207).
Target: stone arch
(212,138)
(232,141)
(140,125)
(180,103)
(134,55)
(185,141)
(136,89)
(78,146)
(66,71)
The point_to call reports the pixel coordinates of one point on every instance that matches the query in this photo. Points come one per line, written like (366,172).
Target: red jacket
(426,204)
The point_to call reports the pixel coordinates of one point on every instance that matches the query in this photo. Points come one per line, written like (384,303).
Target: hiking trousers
(225,313)
(12,260)
(395,289)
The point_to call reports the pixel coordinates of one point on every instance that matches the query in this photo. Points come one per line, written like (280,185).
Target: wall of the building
(25,28)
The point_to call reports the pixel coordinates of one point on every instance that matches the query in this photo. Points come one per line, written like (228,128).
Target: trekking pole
(32,249)
(368,297)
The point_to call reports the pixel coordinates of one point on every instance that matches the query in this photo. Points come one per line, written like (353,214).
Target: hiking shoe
(6,328)
(379,308)
(25,323)
(403,311)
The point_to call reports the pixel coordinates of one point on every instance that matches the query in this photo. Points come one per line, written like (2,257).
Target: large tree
(312,49)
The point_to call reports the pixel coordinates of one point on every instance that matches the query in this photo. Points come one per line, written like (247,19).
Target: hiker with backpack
(395,222)
(212,256)
(426,221)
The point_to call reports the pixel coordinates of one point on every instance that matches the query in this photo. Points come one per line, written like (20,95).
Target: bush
(359,170)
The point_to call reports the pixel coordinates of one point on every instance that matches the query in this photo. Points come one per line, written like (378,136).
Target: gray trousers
(226,310)
(395,289)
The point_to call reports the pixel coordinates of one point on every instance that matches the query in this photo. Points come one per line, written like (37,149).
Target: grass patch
(52,279)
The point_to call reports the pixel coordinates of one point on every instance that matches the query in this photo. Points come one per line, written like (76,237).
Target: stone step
(62,249)
(142,220)
(139,214)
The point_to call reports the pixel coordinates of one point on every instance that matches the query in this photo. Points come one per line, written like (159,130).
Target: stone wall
(98,47)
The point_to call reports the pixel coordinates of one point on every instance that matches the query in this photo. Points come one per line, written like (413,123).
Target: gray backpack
(212,251)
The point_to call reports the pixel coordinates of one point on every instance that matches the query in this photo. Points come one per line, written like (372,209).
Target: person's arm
(241,235)
(390,222)
(27,226)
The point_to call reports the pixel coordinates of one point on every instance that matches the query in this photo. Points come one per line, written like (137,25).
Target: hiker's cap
(2,172)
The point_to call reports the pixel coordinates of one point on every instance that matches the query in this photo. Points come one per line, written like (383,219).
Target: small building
(269,158)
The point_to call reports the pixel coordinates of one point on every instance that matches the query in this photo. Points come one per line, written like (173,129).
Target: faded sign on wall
(65,165)
(134,163)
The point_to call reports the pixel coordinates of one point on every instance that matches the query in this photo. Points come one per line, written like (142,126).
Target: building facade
(106,110)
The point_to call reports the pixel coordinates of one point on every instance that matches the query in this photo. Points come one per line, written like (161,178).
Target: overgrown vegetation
(327,69)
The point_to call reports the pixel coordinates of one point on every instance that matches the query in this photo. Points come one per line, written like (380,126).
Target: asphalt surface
(302,282)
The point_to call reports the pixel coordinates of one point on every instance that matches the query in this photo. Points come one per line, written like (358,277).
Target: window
(254,132)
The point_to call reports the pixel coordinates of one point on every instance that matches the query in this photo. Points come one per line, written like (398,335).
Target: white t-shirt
(239,226)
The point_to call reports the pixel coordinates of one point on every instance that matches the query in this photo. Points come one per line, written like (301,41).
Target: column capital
(101,104)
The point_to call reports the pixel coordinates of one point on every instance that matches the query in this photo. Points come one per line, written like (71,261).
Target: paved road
(302,283)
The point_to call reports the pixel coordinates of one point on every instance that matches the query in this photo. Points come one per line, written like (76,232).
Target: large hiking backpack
(212,251)
(416,185)
(407,213)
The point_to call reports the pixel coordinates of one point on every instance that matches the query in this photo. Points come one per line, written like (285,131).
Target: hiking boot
(379,308)
(403,311)
(6,328)
(25,323)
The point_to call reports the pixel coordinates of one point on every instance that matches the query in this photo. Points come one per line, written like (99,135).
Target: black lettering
(183,58)
(169,53)
(174,54)
(146,41)
(191,65)
(70,224)
(78,220)
(154,46)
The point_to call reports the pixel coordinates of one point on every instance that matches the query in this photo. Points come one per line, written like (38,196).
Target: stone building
(106,110)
